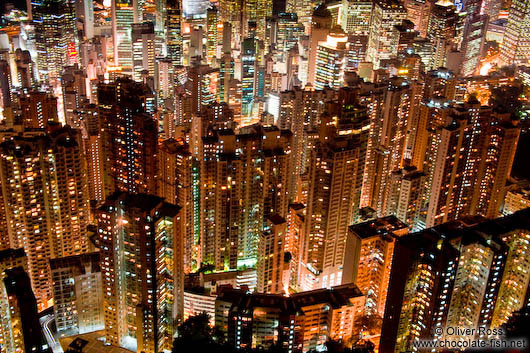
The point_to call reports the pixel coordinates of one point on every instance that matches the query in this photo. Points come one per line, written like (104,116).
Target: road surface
(45,322)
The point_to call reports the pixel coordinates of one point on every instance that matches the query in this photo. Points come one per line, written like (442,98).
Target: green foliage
(505,99)
(206,268)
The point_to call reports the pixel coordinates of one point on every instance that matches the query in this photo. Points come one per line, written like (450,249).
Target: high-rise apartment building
(299,112)
(391,106)
(368,262)
(429,262)
(25,68)
(270,263)
(45,194)
(294,241)
(299,323)
(5,85)
(473,143)
(38,109)
(75,94)
(177,183)
(77,293)
(516,199)
(467,273)
(19,306)
(142,270)
(129,135)
(203,84)
(513,288)
(335,179)
(99,183)
(466,302)
(244,179)
(249,67)
(498,153)
(10,335)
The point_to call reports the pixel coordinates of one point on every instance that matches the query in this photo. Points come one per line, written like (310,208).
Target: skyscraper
(249,65)
(5,85)
(335,161)
(174,31)
(38,109)
(419,11)
(320,27)
(129,136)
(143,49)
(142,270)
(212,21)
(357,18)
(45,194)
(194,7)
(474,36)
(382,42)
(124,14)
(368,262)
(270,262)
(441,30)
(460,151)
(335,175)
(303,10)
(55,36)
(18,304)
(257,12)
(77,293)
(515,48)
(244,179)
(330,60)
(176,184)
(288,31)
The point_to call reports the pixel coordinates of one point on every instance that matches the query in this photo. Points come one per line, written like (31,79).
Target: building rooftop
(92,342)
(11,254)
(276,219)
(78,261)
(144,202)
(336,297)
(378,226)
